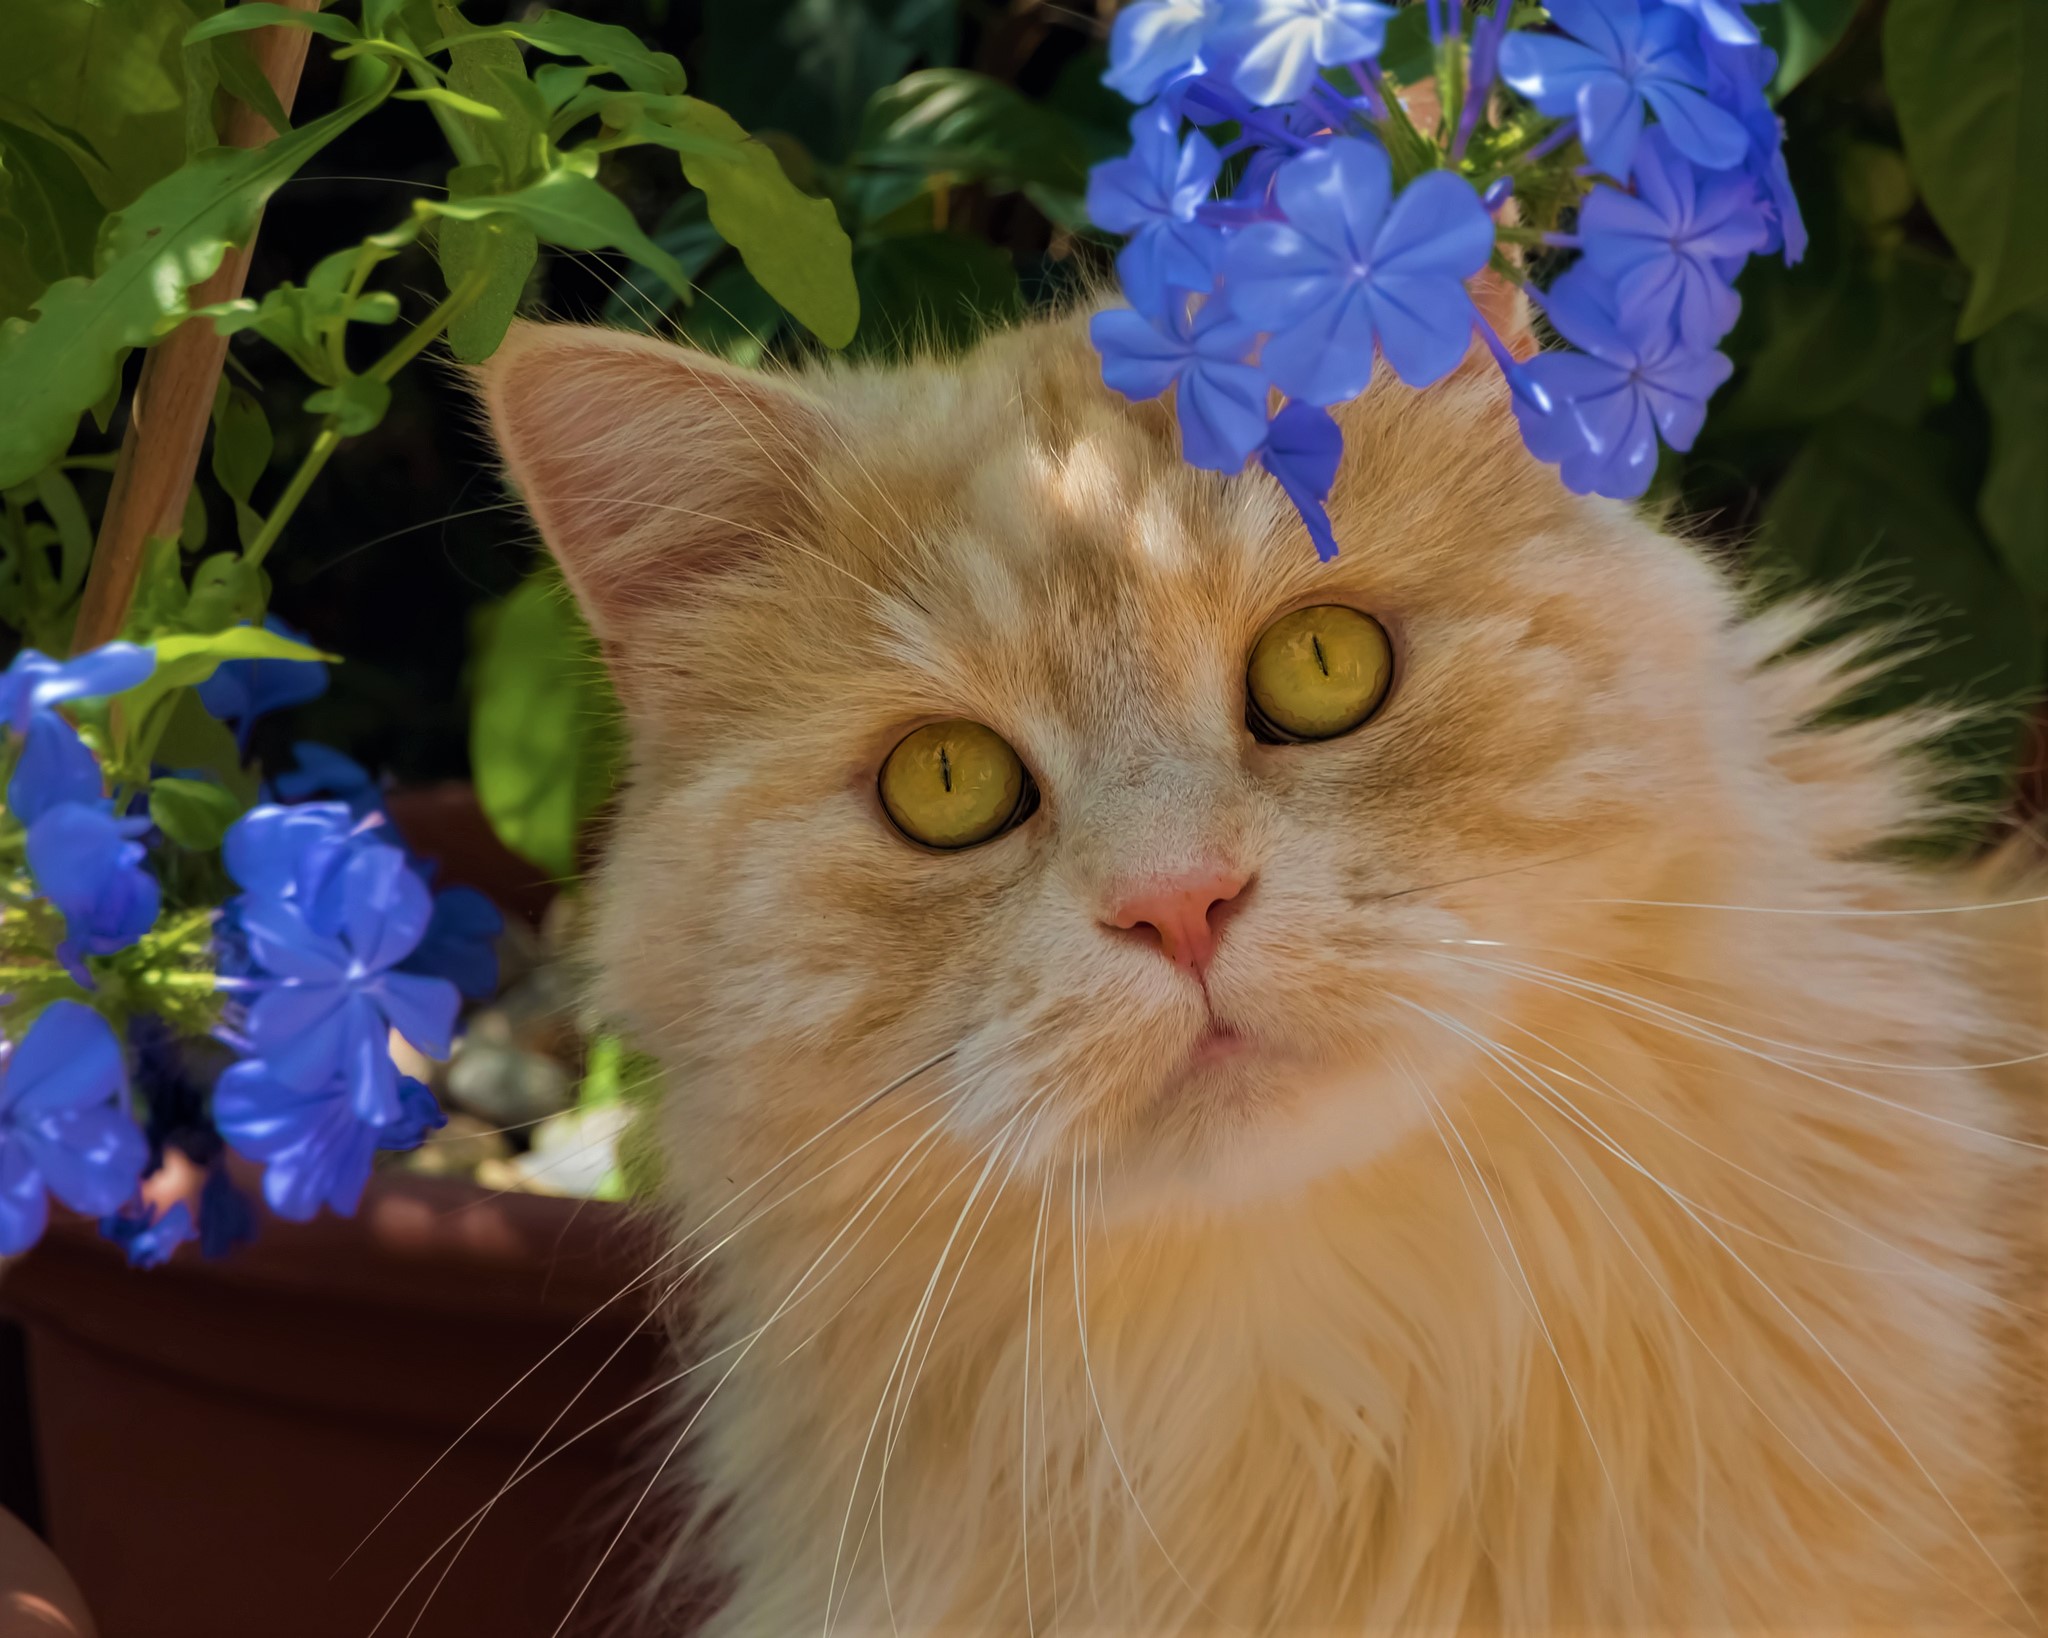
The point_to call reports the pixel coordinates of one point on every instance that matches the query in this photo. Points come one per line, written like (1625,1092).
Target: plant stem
(409,347)
(174,397)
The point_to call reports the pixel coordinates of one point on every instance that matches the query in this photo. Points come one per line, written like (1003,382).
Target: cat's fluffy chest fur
(1603,1234)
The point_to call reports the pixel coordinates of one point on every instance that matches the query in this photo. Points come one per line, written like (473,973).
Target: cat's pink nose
(1184,912)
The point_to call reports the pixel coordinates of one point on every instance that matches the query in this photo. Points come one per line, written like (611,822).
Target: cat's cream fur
(1604,1237)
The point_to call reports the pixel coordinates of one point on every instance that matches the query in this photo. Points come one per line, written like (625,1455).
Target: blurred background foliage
(1888,424)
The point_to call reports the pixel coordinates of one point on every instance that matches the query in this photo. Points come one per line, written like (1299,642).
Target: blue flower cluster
(331,922)
(83,858)
(334,942)
(1290,224)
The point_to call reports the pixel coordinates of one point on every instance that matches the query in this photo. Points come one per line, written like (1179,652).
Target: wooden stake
(174,397)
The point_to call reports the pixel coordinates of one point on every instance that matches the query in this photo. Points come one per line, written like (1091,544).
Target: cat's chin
(1240,1123)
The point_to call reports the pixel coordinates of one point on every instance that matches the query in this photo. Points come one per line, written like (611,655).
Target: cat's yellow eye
(953,784)
(1317,673)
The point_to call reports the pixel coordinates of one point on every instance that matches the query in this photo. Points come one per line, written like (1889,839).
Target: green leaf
(74,530)
(106,79)
(1875,334)
(1408,55)
(48,217)
(252,14)
(195,741)
(242,447)
(1802,33)
(1969,79)
(605,46)
(568,209)
(972,129)
(2011,367)
(492,71)
(734,318)
(793,244)
(357,403)
(183,659)
(544,746)
(1866,503)
(931,289)
(226,591)
(61,362)
(808,67)
(192,812)
(237,71)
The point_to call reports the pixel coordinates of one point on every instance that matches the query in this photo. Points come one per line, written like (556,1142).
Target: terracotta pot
(215,1437)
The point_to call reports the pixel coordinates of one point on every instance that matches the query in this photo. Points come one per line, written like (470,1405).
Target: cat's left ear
(647,466)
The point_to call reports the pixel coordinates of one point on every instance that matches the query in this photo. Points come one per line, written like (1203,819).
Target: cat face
(1228,962)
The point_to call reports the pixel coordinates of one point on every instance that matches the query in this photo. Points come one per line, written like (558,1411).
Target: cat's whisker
(1844,913)
(690,1424)
(468,1522)
(1484,875)
(1653,1013)
(1679,1313)
(907,1388)
(1919,1266)
(992,1149)
(521,1467)
(1079,1250)
(1526,1289)
(1024,1410)
(1571,1112)
(1798,1048)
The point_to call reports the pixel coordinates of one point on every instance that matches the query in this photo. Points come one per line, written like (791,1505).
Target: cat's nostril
(1183,915)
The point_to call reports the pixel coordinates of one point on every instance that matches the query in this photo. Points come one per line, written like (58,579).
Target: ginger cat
(1525,1159)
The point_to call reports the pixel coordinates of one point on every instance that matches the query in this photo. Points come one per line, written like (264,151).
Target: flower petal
(298,1030)
(68,1060)
(24,1205)
(55,768)
(92,1159)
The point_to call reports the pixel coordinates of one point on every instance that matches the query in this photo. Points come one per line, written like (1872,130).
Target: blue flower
(1153,195)
(460,943)
(1608,403)
(1303,448)
(1663,247)
(1736,80)
(1219,398)
(335,951)
(63,1129)
(1281,43)
(56,768)
(55,765)
(315,1148)
(240,691)
(1351,264)
(35,683)
(1722,19)
(1616,60)
(89,865)
(1155,41)
(149,1238)
(324,771)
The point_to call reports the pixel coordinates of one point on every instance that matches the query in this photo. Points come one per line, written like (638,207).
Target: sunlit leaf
(605,46)
(568,209)
(793,244)
(544,745)
(60,362)
(105,79)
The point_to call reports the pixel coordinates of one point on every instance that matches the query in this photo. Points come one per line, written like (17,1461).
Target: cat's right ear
(648,467)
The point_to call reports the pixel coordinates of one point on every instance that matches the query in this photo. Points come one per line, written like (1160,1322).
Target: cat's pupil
(1322,664)
(945,769)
